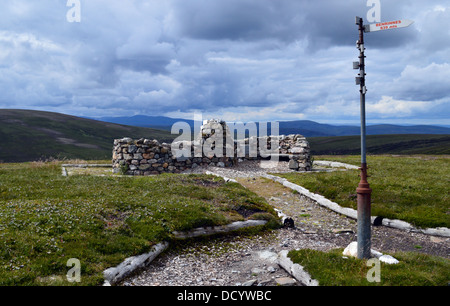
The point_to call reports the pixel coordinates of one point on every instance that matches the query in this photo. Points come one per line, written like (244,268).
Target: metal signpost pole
(363,191)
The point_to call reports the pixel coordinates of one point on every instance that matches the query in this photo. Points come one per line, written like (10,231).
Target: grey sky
(240,60)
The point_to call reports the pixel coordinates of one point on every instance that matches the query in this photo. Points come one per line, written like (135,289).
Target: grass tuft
(333,269)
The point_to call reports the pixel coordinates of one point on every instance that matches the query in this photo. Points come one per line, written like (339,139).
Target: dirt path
(250,260)
(330,226)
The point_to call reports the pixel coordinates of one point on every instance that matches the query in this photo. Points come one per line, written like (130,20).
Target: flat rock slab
(268,255)
(285,281)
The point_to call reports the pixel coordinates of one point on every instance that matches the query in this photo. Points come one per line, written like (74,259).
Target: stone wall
(213,146)
(147,157)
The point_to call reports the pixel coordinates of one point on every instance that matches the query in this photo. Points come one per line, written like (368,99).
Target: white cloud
(427,83)
(391,108)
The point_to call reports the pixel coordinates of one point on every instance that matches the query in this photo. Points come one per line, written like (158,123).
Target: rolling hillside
(28,135)
(155,122)
(305,127)
(381,144)
(314,129)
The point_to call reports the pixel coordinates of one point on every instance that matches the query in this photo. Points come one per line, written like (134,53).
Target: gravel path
(250,260)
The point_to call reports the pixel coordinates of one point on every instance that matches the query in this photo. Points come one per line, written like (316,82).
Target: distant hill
(28,135)
(381,144)
(314,129)
(384,129)
(156,122)
(305,127)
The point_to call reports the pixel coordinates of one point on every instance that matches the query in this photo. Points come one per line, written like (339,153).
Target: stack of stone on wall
(294,147)
(297,147)
(209,132)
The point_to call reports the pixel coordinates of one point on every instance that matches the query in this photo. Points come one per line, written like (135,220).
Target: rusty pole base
(364,211)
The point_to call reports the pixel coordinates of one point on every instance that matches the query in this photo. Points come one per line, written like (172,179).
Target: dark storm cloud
(239,19)
(267,58)
(323,23)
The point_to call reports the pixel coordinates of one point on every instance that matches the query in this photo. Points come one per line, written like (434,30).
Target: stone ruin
(213,146)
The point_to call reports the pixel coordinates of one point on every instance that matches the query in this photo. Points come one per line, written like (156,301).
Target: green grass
(381,144)
(46,219)
(414,189)
(332,269)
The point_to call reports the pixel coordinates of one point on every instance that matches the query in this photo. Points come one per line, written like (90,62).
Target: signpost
(387,25)
(363,191)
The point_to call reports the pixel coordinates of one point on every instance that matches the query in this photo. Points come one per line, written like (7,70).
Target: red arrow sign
(388,25)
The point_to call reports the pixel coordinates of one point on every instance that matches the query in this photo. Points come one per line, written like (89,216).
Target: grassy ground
(332,269)
(46,219)
(414,188)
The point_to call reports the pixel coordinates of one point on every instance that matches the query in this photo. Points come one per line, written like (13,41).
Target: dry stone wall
(212,147)
(147,157)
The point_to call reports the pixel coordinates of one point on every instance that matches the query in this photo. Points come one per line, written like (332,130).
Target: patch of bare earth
(70,141)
